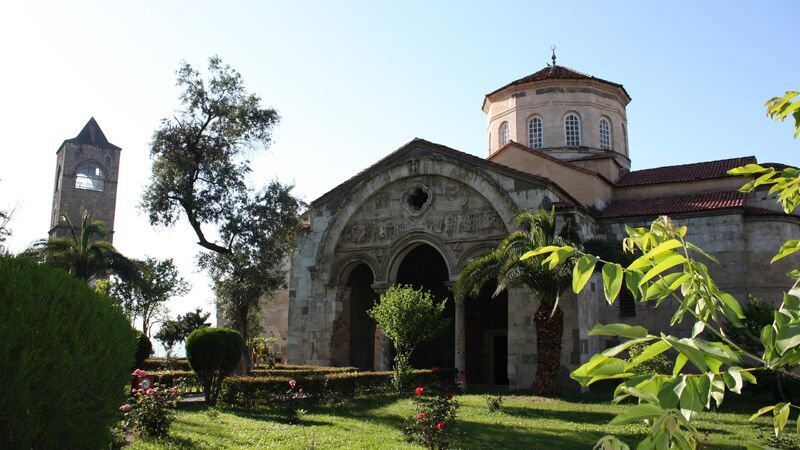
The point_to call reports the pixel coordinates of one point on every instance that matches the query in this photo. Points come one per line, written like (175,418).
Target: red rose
(440,426)
(419,390)
(421,416)
(434,369)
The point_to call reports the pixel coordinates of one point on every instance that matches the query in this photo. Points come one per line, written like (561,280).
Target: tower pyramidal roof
(556,72)
(93,135)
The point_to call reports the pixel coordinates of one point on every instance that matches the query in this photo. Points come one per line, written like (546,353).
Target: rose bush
(432,425)
(149,411)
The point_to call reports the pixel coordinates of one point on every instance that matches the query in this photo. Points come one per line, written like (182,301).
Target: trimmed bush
(186,380)
(65,353)
(305,372)
(248,392)
(213,353)
(144,348)
(161,364)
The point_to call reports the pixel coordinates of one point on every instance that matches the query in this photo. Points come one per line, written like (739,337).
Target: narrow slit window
(505,134)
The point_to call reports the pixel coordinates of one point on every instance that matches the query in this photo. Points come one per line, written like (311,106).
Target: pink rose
(420,416)
(419,390)
(440,426)
(125,408)
(139,373)
(150,391)
(292,383)
(133,391)
(300,391)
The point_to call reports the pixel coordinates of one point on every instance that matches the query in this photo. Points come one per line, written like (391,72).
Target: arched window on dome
(605,134)
(505,134)
(535,132)
(90,177)
(572,130)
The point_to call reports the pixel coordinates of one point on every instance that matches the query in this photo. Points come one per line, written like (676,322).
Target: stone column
(460,340)
(460,326)
(383,350)
(382,360)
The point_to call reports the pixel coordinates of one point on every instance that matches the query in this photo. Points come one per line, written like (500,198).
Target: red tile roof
(674,205)
(557,73)
(684,172)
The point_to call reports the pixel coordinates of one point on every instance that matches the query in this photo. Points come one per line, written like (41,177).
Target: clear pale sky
(355,81)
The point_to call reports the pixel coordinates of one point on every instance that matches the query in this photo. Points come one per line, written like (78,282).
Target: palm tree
(83,254)
(504,267)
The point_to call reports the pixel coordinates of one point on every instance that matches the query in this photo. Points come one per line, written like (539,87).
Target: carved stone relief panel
(434,204)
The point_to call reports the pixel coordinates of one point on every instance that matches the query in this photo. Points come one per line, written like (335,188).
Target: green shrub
(65,353)
(144,348)
(409,317)
(213,353)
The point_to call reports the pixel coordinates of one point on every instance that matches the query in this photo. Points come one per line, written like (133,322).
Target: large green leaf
(600,367)
(662,266)
(637,413)
(582,271)
(645,260)
(618,329)
(612,281)
(787,249)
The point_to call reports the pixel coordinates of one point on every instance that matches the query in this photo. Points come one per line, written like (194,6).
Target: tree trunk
(548,348)
(243,369)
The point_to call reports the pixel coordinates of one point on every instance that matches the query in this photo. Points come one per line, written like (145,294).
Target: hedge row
(160,364)
(301,372)
(248,392)
(186,379)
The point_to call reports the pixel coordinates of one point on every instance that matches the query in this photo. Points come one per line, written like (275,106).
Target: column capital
(380,286)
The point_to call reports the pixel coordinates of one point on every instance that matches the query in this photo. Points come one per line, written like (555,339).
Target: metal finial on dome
(553,48)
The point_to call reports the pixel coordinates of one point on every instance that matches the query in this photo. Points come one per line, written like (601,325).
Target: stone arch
(405,244)
(471,252)
(471,176)
(343,267)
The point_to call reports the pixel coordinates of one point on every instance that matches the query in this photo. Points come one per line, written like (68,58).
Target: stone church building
(556,138)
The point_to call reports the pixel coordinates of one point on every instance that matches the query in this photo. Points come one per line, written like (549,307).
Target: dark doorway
(362,326)
(487,337)
(500,355)
(423,267)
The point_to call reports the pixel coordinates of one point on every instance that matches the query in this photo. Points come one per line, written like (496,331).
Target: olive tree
(200,164)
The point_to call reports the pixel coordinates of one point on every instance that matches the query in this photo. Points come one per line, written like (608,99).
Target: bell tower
(87,169)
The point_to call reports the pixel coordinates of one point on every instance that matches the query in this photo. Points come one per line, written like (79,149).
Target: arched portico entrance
(486,338)
(361,325)
(424,267)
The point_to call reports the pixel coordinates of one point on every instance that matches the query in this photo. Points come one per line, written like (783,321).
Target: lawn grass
(525,421)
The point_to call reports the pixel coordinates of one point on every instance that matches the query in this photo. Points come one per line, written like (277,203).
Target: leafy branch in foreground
(670,267)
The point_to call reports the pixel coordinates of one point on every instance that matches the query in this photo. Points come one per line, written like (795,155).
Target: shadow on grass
(593,417)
